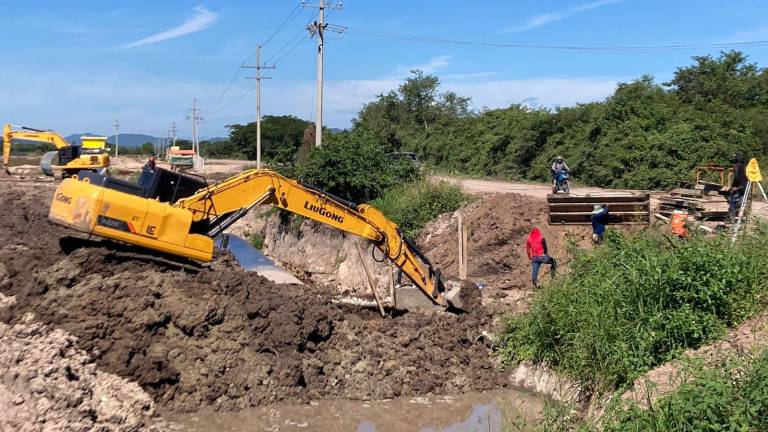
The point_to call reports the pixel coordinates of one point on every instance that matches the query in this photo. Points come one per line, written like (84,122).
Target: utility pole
(195,117)
(258,79)
(117,138)
(318,28)
(173,132)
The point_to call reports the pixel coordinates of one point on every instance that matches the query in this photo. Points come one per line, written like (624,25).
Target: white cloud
(433,65)
(201,21)
(148,104)
(759,34)
(540,20)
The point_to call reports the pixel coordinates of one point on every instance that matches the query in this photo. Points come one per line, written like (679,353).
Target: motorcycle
(561,183)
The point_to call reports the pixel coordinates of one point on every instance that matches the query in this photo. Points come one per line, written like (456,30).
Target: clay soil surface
(213,336)
(498,226)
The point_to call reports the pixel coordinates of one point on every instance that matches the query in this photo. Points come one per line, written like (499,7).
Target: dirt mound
(498,226)
(49,384)
(219,337)
(228,339)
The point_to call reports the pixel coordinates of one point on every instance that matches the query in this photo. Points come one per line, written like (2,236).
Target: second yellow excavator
(68,159)
(181,215)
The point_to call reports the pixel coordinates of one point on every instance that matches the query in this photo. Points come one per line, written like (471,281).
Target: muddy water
(496,411)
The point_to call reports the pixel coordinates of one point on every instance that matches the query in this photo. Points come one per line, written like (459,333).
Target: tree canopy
(645,135)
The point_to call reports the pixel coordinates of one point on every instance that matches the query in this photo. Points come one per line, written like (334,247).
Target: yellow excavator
(181,215)
(67,160)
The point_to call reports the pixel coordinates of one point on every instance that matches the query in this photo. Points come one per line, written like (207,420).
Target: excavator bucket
(623,208)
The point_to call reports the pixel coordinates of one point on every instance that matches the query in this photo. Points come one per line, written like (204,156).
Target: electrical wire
(244,90)
(290,16)
(300,41)
(633,48)
(293,14)
(293,39)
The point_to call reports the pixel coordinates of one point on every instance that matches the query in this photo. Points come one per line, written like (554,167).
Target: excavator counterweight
(180,215)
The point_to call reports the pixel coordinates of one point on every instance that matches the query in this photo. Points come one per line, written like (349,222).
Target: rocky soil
(50,384)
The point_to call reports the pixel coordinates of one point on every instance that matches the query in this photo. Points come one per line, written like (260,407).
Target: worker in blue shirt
(599,221)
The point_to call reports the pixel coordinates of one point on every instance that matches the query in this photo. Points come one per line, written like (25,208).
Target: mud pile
(498,226)
(215,336)
(49,384)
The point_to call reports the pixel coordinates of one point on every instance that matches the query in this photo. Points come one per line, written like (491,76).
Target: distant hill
(75,138)
(131,139)
(134,140)
(126,139)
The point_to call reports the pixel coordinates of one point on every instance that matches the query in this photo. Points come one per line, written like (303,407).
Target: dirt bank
(498,226)
(222,338)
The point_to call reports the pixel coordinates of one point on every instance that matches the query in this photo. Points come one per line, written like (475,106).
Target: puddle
(251,259)
(495,411)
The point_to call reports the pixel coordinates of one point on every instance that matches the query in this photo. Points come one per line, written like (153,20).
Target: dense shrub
(412,205)
(636,302)
(353,167)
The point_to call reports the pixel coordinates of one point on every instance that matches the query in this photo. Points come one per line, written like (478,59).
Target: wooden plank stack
(623,208)
(704,202)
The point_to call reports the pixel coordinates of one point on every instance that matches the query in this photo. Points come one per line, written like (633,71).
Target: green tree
(281,138)
(353,166)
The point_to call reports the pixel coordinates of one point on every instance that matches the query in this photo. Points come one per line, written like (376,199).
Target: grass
(730,398)
(637,302)
(412,205)
(257,240)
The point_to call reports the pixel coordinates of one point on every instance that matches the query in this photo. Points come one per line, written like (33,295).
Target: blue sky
(77,66)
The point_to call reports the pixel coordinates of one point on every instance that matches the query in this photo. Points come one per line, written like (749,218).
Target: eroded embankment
(219,337)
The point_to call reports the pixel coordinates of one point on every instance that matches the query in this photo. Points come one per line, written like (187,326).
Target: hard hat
(559,158)
(597,208)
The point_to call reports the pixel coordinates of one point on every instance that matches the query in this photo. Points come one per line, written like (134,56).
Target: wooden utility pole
(462,234)
(258,67)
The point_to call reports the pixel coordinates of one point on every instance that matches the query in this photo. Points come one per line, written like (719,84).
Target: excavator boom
(170,216)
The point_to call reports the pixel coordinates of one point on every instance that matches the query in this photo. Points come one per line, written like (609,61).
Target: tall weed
(637,301)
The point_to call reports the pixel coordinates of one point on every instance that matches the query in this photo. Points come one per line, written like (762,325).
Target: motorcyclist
(558,166)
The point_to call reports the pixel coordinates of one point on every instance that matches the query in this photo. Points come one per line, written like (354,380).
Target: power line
(236,75)
(244,90)
(300,41)
(290,16)
(634,48)
(229,85)
(293,38)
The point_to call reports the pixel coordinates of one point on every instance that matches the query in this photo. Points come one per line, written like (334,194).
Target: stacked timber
(704,202)
(576,209)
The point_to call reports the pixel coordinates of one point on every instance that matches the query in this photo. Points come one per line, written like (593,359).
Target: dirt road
(535,190)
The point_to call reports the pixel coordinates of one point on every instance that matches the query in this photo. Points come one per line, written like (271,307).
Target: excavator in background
(67,160)
(181,215)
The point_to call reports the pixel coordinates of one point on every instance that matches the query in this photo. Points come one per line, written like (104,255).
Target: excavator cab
(159,184)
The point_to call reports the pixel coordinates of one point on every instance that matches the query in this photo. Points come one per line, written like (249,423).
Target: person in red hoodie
(536,246)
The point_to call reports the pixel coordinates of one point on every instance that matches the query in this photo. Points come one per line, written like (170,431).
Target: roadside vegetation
(412,205)
(646,135)
(638,301)
(731,398)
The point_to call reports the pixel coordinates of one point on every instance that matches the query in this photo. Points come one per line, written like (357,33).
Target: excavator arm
(220,205)
(28,134)
(156,218)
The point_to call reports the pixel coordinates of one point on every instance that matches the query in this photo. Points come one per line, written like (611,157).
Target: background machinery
(180,215)
(68,159)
